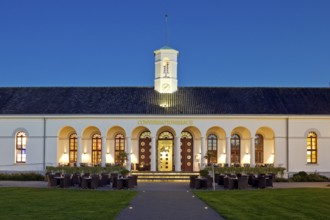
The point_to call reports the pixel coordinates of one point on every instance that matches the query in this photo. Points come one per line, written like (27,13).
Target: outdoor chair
(120,184)
(220,180)
(95,182)
(232,183)
(66,181)
(209,182)
(242,182)
(52,182)
(75,179)
(130,182)
(225,182)
(192,181)
(114,181)
(269,180)
(261,181)
(198,183)
(105,179)
(135,178)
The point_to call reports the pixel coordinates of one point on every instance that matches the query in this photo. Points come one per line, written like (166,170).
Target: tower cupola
(166,70)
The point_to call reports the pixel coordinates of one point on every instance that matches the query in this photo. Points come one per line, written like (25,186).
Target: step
(146,176)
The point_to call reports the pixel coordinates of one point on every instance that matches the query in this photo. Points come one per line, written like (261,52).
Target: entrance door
(165,150)
(187,151)
(144,151)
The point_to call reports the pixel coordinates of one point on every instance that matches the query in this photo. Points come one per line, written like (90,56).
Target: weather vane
(166,31)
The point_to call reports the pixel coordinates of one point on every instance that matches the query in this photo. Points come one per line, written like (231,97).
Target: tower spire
(166,30)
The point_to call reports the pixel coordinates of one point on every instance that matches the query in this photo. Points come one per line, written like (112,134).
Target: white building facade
(169,138)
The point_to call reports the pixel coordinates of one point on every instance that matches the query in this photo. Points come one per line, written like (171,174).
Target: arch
(20,129)
(312,146)
(138,131)
(166,128)
(88,132)
(268,146)
(20,142)
(65,132)
(64,144)
(316,131)
(113,131)
(218,144)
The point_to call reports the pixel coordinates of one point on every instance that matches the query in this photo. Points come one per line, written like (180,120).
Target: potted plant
(122,157)
(204,173)
(209,155)
(124,172)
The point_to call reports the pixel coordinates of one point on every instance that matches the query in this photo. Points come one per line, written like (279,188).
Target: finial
(166,31)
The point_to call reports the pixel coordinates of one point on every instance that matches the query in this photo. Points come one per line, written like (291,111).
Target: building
(165,127)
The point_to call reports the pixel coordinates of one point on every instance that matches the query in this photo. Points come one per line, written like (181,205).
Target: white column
(79,151)
(228,150)
(104,151)
(128,151)
(153,154)
(252,152)
(203,152)
(177,154)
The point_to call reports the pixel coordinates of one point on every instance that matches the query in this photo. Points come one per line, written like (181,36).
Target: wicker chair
(66,181)
(96,182)
(220,181)
(105,179)
(192,181)
(51,181)
(261,181)
(270,180)
(76,179)
(225,182)
(232,183)
(198,184)
(243,182)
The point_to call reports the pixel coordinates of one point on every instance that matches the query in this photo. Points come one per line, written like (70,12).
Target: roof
(147,101)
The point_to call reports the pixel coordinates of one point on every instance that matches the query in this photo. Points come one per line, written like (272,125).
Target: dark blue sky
(110,43)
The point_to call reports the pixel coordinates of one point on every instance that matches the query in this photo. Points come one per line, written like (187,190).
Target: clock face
(166,87)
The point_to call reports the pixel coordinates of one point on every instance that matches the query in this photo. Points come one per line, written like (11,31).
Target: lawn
(304,203)
(31,203)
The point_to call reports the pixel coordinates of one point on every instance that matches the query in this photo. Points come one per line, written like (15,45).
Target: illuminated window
(235,156)
(96,149)
(21,147)
(312,148)
(212,147)
(73,148)
(259,148)
(119,148)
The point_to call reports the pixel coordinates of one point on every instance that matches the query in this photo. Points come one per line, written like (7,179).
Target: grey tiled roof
(146,101)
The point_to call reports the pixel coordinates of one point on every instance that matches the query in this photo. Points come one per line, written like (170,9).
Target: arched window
(212,147)
(21,147)
(259,148)
(119,148)
(235,156)
(73,148)
(96,149)
(312,148)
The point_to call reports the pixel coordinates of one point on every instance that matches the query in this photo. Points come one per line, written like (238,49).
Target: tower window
(166,69)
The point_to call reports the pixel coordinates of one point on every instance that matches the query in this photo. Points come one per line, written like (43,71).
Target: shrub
(22,176)
(304,177)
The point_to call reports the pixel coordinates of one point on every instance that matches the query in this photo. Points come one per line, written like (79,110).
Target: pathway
(167,201)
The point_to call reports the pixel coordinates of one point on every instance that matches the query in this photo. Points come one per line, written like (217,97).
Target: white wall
(298,128)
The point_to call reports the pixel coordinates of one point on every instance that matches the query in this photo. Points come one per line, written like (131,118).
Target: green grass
(30,203)
(270,203)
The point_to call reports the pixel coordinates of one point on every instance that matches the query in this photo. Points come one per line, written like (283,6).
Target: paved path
(164,201)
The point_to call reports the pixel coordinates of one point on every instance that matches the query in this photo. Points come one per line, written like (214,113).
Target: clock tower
(166,70)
